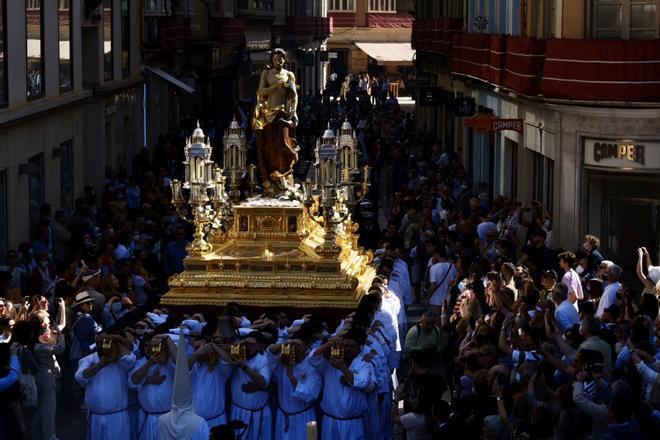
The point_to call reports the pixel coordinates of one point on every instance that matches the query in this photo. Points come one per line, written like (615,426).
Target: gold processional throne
(273,252)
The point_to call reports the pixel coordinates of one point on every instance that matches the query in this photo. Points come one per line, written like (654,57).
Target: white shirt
(608,298)
(572,280)
(436,274)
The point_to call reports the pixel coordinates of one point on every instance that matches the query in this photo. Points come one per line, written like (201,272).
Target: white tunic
(252,408)
(395,287)
(106,397)
(155,400)
(402,275)
(344,406)
(208,388)
(295,406)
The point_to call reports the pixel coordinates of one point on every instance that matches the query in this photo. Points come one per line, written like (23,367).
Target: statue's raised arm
(274,122)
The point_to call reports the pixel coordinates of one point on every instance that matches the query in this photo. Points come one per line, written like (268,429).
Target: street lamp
(204,183)
(333,189)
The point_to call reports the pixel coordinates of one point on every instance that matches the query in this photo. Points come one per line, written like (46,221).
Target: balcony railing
(310,28)
(384,20)
(228,30)
(580,70)
(435,35)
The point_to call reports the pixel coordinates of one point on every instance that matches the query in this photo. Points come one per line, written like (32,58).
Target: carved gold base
(269,258)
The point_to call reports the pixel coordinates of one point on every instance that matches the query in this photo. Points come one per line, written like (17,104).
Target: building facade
(201,56)
(370,36)
(584,78)
(62,121)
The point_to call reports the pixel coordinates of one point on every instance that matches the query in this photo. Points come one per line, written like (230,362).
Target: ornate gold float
(293,250)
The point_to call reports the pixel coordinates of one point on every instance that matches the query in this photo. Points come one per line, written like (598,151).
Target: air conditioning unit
(222,8)
(92,12)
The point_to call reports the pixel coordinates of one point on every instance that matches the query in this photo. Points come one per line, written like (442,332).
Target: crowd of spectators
(516,340)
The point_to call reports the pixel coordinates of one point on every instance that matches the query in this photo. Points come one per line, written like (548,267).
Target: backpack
(27,387)
(418,326)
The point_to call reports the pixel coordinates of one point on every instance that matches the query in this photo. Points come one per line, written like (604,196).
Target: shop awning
(388,53)
(257,37)
(170,79)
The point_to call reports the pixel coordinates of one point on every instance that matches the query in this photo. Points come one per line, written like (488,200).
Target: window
(36,190)
(3,54)
(34,30)
(108,65)
(382,5)
(263,5)
(66,48)
(342,5)
(4,223)
(544,181)
(155,7)
(543,19)
(511,168)
(297,8)
(634,19)
(66,175)
(125,40)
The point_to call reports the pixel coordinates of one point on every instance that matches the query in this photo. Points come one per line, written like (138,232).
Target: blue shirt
(566,316)
(12,377)
(85,330)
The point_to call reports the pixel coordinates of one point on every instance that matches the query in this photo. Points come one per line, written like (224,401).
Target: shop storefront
(623,190)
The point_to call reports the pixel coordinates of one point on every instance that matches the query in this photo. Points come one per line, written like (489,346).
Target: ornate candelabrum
(205,189)
(235,160)
(333,186)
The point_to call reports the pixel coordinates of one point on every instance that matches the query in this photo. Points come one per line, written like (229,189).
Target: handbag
(28,387)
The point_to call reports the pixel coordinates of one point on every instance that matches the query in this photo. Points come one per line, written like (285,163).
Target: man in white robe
(153,379)
(345,380)
(298,387)
(105,380)
(249,395)
(209,378)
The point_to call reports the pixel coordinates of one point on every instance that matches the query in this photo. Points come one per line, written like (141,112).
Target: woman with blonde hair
(469,312)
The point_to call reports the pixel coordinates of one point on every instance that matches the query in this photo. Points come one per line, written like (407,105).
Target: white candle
(251,172)
(311,431)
